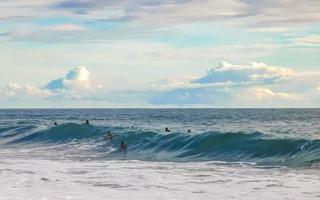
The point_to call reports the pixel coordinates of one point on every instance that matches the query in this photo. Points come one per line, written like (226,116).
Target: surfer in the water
(108,136)
(55,123)
(189,131)
(87,122)
(167,129)
(123,146)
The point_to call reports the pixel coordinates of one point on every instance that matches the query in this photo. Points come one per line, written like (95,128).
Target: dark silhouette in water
(55,123)
(44,179)
(87,122)
(189,131)
(108,136)
(167,129)
(123,146)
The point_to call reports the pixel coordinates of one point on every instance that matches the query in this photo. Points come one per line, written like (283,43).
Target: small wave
(61,133)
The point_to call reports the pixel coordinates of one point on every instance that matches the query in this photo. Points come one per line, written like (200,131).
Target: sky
(159,53)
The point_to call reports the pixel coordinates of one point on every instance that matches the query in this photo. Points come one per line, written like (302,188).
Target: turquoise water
(229,154)
(265,137)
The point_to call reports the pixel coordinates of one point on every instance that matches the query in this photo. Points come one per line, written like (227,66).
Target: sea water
(229,154)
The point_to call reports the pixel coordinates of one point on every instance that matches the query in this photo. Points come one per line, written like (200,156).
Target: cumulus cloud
(228,85)
(248,73)
(76,82)
(249,85)
(78,78)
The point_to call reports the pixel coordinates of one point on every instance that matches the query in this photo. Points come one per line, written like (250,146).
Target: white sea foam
(26,177)
(40,161)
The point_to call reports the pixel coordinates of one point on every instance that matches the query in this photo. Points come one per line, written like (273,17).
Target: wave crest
(182,147)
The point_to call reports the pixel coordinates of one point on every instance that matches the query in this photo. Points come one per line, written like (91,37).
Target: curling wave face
(253,147)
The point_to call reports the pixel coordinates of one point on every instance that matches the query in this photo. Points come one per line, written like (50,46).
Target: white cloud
(249,85)
(270,30)
(265,15)
(249,73)
(270,97)
(190,11)
(268,94)
(76,79)
(74,85)
(228,85)
(22,19)
(51,33)
(311,40)
(259,13)
(65,27)
(26,9)
(14,90)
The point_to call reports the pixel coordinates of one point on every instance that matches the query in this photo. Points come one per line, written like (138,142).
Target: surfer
(167,129)
(123,146)
(55,123)
(189,131)
(87,122)
(108,136)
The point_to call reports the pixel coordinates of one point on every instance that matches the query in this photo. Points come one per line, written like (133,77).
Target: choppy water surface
(230,153)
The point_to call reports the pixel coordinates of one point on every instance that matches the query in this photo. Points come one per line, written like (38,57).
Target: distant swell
(176,147)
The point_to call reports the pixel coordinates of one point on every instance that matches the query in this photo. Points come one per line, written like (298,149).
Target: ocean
(228,154)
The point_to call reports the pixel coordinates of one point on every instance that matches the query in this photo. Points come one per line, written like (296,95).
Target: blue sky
(159,53)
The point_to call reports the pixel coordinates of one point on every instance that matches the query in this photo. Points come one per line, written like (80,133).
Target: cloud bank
(227,85)
(26,91)
(258,13)
(247,85)
(145,16)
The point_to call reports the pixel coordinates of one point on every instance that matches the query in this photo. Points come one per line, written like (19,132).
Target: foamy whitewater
(229,154)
